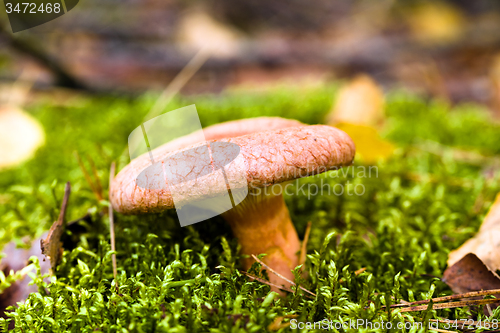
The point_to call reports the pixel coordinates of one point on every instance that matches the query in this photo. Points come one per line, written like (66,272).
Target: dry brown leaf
(16,261)
(20,136)
(486,243)
(470,274)
(52,246)
(359,110)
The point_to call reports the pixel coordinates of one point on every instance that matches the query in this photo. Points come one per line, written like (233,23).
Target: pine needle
(451,305)
(281,276)
(112,222)
(93,187)
(451,298)
(267,282)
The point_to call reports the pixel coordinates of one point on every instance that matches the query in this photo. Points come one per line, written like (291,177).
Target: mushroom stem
(262,224)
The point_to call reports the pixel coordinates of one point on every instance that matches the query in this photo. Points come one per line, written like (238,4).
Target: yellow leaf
(358,110)
(20,136)
(436,22)
(370,146)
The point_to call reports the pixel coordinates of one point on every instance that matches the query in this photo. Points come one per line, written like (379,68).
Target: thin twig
(67,192)
(176,85)
(303,249)
(450,305)
(442,330)
(178,82)
(267,282)
(488,308)
(451,297)
(281,276)
(21,88)
(112,222)
(87,177)
(458,322)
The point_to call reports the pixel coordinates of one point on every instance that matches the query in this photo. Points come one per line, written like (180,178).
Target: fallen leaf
(200,31)
(20,136)
(15,264)
(486,243)
(361,101)
(52,246)
(370,146)
(359,111)
(470,274)
(436,22)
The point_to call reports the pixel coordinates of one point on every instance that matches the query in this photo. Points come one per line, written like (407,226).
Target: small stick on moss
(303,249)
(176,85)
(281,276)
(359,271)
(178,82)
(488,308)
(451,297)
(441,330)
(64,206)
(52,246)
(450,305)
(267,282)
(458,322)
(112,224)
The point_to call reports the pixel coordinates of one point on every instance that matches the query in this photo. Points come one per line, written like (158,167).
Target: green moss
(414,210)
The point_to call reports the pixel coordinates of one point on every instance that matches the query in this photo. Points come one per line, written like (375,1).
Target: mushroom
(274,151)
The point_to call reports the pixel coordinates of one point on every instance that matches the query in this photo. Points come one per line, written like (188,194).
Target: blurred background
(445,49)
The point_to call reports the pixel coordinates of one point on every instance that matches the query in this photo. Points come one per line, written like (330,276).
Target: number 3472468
(33,8)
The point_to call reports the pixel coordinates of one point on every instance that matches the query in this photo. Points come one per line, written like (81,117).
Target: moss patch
(414,210)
